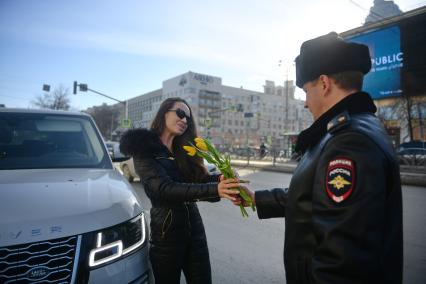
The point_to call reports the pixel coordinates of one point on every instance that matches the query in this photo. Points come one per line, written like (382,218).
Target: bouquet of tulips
(206,150)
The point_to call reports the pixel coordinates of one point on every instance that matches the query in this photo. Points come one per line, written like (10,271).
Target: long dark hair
(191,168)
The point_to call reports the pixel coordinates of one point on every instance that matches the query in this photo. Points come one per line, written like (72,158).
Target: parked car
(242,152)
(114,149)
(66,216)
(412,156)
(411,144)
(212,169)
(412,153)
(128,169)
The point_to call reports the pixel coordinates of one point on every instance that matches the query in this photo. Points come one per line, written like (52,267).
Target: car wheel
(127,174)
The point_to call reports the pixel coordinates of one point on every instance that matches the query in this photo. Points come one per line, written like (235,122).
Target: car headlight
(118,241)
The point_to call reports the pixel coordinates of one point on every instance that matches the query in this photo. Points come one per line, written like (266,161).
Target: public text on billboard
(387,59)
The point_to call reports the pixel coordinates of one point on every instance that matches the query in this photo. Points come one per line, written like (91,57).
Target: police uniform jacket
(343,208)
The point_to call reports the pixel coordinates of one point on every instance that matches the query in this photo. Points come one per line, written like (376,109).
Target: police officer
(343,208)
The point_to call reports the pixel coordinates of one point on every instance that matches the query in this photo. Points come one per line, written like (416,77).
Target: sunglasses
(180,113)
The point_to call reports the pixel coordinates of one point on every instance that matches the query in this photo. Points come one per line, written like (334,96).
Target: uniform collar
(355,103)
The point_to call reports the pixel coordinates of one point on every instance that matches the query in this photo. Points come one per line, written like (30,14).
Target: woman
(174,181)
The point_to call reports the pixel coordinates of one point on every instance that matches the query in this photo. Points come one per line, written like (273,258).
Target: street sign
(126,123)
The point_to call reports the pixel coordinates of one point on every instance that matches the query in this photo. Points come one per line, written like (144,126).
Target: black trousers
(190,256)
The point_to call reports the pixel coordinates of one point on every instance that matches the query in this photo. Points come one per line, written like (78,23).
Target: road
(249,250)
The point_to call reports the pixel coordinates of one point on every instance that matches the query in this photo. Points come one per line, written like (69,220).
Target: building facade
(231,117)
(382,9)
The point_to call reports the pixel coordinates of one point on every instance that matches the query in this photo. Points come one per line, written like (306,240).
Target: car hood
(37,205)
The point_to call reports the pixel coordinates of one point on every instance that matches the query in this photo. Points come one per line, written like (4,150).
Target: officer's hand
(238,200)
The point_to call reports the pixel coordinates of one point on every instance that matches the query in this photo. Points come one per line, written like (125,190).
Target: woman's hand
(238,200)
(228,188)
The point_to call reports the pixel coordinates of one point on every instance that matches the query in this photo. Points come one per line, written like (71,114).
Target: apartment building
(229,116)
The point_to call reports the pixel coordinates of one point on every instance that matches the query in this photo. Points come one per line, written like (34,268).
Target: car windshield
(41,141)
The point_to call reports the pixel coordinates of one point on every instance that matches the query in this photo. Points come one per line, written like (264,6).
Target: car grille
(49,261)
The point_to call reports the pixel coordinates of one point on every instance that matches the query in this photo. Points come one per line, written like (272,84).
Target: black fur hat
(329,54)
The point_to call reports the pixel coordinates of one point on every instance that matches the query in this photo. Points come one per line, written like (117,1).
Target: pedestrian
(174,182)
(262,150)
(343,208)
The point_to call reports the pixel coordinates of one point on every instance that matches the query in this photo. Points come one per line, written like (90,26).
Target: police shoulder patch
(340,179)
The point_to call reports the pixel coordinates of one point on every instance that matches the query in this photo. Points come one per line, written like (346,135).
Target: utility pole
(248,115)
(286,100)
(410,126)
(286,105)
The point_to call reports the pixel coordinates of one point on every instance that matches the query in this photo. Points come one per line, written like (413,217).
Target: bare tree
(58,99)
(408,110)
(106,118)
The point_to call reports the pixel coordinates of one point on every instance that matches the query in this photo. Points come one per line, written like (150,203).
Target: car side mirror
(119,159)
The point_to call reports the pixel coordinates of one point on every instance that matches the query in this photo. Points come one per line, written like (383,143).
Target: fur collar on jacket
(141,143)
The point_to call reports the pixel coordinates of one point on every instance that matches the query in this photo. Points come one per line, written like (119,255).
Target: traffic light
(46,88)
(74,89)
(83,87)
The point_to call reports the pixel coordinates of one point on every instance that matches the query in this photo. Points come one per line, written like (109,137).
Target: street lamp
(281,63)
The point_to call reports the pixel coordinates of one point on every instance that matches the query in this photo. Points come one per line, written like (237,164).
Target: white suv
(66,216)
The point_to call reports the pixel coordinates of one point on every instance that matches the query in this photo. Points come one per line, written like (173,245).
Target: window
(31,141)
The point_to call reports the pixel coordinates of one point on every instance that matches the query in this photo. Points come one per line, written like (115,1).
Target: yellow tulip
(191,150)
(199,142)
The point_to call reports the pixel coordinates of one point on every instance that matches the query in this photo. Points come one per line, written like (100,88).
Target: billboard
(397,48)
(387,60)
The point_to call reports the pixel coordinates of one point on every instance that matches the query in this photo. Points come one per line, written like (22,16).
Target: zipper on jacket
(189,220)
(163,229)
(167,158)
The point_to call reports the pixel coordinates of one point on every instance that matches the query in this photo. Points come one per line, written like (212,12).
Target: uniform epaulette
(338,122)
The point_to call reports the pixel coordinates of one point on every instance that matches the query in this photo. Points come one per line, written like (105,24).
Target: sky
(125,48)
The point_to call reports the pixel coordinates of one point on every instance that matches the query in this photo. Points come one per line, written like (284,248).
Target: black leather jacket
(174,213)
(352,238)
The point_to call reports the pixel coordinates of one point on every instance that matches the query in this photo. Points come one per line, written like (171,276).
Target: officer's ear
(324,83)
